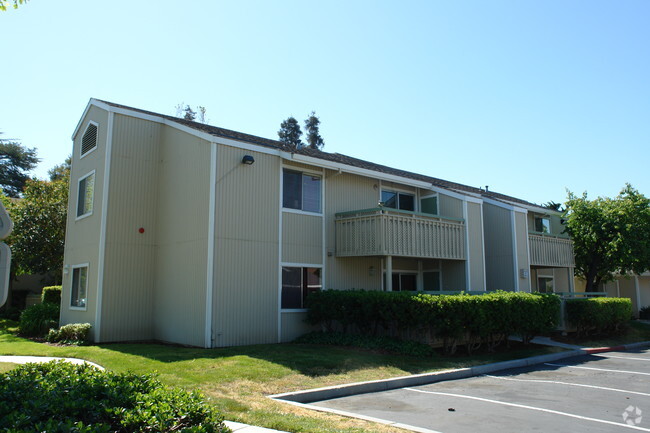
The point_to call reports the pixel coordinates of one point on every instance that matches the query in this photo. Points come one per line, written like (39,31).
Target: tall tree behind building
(314,140)
(290,132)
(16,161)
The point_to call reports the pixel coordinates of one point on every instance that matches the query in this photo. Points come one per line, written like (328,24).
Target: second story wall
(499,258)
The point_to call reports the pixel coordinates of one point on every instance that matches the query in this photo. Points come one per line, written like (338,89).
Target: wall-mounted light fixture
(248,160)
(66,269)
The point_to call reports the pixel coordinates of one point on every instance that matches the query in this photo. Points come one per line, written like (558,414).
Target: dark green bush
(37,320)
(51,295)
(452,319)
(72,333)
(59,397)
(598,315)
(11,313)
(644,313)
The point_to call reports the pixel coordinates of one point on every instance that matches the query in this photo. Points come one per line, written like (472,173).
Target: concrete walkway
(234,426)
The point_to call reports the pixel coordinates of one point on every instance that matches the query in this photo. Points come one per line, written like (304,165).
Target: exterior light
(248,160)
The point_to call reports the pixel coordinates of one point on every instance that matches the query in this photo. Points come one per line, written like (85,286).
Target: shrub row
(73,333)
(598,315)
(60,397)
(51,295)
(453,319)
(37,320)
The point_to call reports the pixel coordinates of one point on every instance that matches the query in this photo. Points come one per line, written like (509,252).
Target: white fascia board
(468,197)
(83,116)
(505,205)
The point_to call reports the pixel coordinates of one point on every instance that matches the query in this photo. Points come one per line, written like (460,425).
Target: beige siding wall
(302,238)
(450,206)
(628,290)
(499,258)
(294,325)
(82,236)
(644,290)
(347,192)
(182,234)
(129,269)
(475,241)
(246,262)
(523,262)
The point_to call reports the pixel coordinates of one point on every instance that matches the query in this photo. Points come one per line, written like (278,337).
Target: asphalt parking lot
(607,392)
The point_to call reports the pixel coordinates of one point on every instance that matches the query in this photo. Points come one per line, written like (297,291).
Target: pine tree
(189,113)
(290,132)
(314,140)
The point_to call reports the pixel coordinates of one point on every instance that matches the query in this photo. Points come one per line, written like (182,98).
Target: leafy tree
(4,3)
(61,171)
(314,140)
(15,161)
(290,132)
(39,218)
(553,206)
(609,235)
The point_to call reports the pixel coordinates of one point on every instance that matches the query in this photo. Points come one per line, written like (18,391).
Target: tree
(15,161)
(609,235)
(189,113)
(61,171)
(314,140)
(4,3)
(38,238)
(290,132)
(553,206)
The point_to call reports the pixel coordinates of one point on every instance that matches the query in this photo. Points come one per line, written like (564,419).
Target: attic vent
(89,139)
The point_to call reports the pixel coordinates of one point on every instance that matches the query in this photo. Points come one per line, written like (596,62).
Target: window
(398,200)
(301,191)
(89,139)
(543,225)
(403,282)
(545,284)
(431,280)
(297,283)
(429,205)
(79,286)
(85,195)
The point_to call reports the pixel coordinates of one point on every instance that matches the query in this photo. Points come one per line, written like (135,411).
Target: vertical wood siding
(475,241)
(302,238)
(523,261)
(82,237)
(450,206)
(129,266)
(294,325)
(246,263)
(182,235)
(499,258)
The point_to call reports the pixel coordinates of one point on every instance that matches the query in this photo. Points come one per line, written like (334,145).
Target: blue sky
(528,97)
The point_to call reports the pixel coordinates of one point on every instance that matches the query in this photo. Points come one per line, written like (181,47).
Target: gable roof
(332,157)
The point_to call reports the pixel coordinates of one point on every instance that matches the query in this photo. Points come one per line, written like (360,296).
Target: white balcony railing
(391,232)
(547,250)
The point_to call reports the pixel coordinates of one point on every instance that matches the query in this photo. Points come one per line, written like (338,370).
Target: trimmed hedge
(598,315)
(37,320)
(72,333)
(644,313)
(60,397)
(51,295)
(454,319)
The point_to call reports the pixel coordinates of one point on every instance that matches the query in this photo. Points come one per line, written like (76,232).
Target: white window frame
(87,214)
(542,217)
(547,277)
(82,156)
(423,197)
(298,265)
(72,268)
(400,272)
(308,173)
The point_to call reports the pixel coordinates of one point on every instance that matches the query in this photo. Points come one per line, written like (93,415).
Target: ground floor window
(431,281)
(297,283)
(403,281)
(545,284)
(79,287)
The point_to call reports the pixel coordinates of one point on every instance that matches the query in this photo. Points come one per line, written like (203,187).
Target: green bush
(453,319)
(37,320)
(73,333)
(598,315)
(59,397)
(644,313)
(51,295)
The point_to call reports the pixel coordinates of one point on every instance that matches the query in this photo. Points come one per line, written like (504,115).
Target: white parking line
(645,394)
(623,357)
(522,406)
(597,369)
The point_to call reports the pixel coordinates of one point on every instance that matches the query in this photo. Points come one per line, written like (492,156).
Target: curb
(326,393)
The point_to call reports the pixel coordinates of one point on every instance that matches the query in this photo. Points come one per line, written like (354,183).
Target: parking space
(606,392)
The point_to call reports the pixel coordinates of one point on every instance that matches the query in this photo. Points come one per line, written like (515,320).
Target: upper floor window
(398,200)
(429,205)
(85,195)
(543,225)
(89,139)
(301,191)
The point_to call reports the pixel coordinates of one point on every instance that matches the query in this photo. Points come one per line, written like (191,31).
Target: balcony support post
(571,272)
(389,273)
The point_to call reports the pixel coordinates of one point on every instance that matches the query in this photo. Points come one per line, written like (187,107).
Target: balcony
(551,251)
(391,232)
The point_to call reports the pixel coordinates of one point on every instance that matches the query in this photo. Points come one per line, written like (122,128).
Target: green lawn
(238,379)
